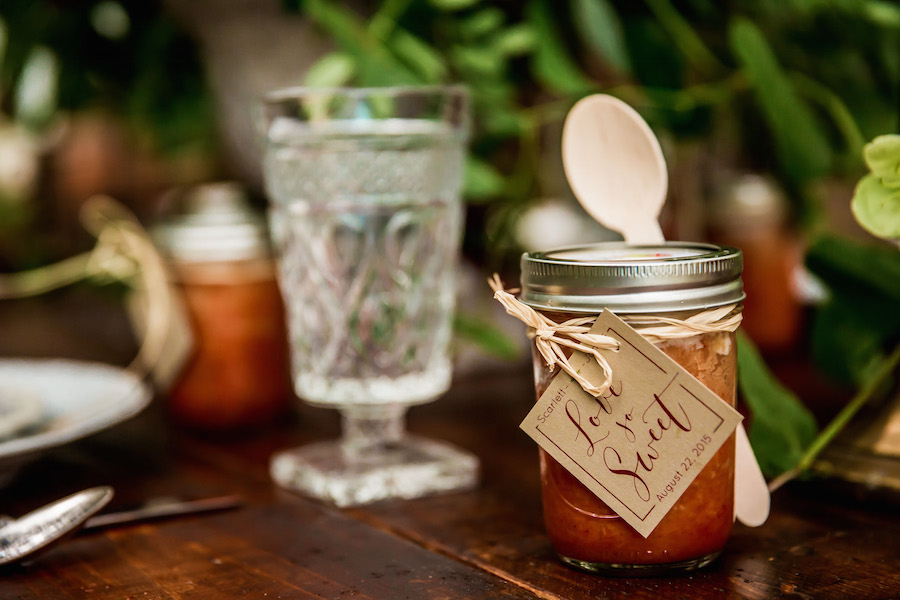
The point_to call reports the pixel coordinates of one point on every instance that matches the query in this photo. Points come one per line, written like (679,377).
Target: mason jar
(219,253)
(674,280)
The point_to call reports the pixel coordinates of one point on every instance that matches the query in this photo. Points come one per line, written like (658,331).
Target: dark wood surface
(486,543)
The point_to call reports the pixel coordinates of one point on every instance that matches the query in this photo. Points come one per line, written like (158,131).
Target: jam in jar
(673,280)
(219,254)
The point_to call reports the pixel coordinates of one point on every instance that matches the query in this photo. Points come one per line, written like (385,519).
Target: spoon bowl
(42,527)
(615,167)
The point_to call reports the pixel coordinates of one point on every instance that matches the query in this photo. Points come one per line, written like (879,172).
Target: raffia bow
(123,252)
(550,338)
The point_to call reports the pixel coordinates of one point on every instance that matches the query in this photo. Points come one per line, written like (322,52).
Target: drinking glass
(366,217)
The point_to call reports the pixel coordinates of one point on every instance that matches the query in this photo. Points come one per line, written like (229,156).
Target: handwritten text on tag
(640,446)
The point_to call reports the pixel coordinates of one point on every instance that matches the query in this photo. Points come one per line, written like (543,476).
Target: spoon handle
(159,511)
(643,231)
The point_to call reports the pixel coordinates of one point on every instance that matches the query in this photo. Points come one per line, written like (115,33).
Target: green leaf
(800,144)
(482,23)
(688,41)
(858,269)
(876,199)
(500,121)
(877,207)
(383,22)
(375,66)
(478,61)
(850,332)
(332,70)
(780,426)
(374,72)
(486,336)
(424,59)
(883,158)
(342,23)
(551,63)
(453,5)
(832,105)
(515,40)
(883,14)
(599,26)
(492,93)
(482,181)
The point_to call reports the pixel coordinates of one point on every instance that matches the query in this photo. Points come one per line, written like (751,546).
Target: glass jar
(750,212)
(219,253)
(674,280)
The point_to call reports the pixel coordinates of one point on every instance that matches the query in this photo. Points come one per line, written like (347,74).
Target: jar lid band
(215,223)
(673,276)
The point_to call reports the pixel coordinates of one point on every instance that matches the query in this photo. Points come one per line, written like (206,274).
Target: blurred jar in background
(750,212)
(220,255)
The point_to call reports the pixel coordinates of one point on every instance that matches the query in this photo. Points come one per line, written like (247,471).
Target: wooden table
(485,543)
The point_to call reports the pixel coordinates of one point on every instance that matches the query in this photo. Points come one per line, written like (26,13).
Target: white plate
(19,410)
(75,399)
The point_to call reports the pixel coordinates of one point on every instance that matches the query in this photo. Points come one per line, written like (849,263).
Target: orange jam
(674,280)
(584,531)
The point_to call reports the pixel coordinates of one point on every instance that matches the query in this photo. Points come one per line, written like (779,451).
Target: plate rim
(123,408)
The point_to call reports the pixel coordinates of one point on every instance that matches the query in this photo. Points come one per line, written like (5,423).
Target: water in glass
(367,220)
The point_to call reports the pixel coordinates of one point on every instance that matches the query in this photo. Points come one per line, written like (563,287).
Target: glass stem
(369,432)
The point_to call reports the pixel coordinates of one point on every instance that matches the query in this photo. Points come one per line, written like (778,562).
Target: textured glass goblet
(365,212)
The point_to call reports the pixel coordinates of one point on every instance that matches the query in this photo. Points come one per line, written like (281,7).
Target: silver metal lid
(669,277)
(215,224)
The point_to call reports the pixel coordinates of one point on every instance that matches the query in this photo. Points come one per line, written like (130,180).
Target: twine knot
(543,333)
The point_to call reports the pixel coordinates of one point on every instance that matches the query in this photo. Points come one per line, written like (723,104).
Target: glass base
(409,467)
(646,570)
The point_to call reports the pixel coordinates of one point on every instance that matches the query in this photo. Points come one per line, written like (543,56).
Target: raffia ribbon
(550,337)
(123,252)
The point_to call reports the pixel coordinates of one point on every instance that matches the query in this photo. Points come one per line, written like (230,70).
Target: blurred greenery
(790,88)
(135,62)
(859,323)
(800,83)
(800,103)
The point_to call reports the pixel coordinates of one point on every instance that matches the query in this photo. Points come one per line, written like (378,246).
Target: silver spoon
(43,526)
(40,528)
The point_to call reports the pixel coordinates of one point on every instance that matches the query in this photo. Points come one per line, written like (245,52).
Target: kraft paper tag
(640,446)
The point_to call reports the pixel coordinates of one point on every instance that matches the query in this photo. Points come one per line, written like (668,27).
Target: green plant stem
(685,37)
(840,421)
(840,114)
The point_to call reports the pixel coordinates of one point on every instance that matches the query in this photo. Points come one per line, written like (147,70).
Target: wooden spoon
(616,168)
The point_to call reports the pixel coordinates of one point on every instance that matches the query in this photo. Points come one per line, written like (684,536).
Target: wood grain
(486,543)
